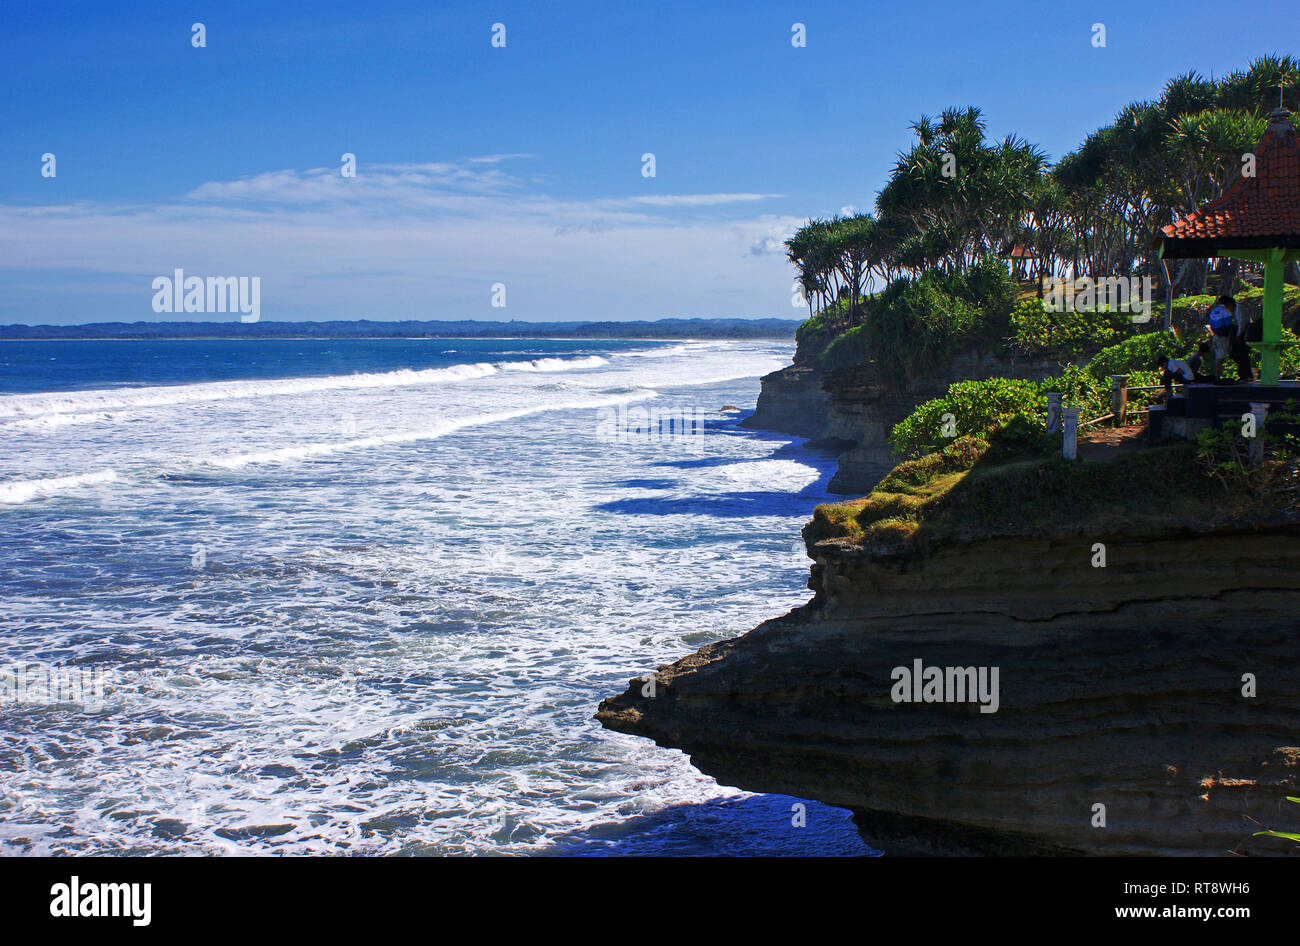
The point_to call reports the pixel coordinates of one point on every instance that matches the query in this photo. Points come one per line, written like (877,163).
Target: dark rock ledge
(1119,686)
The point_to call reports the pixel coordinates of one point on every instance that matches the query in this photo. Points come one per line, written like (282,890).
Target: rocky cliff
(851,411)
(861,411)
(792,401)
(1124,722)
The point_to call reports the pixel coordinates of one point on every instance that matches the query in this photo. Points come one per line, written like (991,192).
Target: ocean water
(363,597)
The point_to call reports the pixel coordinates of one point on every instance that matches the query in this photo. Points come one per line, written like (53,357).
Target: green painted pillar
(1270,350)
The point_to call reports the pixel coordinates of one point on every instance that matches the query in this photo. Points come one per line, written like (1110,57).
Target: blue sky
(518,165)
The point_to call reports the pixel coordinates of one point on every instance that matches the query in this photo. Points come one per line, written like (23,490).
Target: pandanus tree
(957,196)
(806,250)
(1267,82)
(837,259)
(1206,149)
(1013,175)
(800,250)
(953,196)
(849,245)
(1160,159)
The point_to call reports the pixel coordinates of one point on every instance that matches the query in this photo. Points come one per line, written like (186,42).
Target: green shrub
(1021,436)
(814,334)
(1224,452)
(837,313)
(913,326)
(911,330)
(1136,357)
(977,407)
(1137,400)
(990,287)
(1001,410)
(1067,335)
(1079,388)
(1138,353)
(1187,313)
(851,348)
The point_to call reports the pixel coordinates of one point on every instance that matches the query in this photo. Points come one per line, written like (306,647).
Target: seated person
(1197,361)
(1174,369)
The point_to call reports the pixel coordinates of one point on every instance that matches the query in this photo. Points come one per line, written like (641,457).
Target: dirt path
(1108,444)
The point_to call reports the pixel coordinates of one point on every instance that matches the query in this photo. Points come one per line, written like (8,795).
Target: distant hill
(365,328)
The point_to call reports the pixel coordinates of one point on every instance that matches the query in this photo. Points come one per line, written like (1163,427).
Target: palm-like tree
(1206,149)
(957,196)
(952,197)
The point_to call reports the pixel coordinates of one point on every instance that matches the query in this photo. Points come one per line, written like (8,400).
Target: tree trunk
(1228,278)
(1168,287)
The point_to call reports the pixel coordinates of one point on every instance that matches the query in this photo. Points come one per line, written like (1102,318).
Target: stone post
(1053,411)
(1260,413)
(1119,398)
(1070,433)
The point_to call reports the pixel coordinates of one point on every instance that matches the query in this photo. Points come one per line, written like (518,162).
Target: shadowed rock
(1119,686)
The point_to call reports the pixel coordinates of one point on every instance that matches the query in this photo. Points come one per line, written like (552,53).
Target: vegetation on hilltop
(901,288)
(1011,480)
(915,324)
(979,408)
(956,201)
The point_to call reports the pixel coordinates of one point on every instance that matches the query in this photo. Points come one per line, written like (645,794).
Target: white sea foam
(80,404)
(398,651)
(789,476)
(20,491)
(307,450)
(554,364)
(49,422)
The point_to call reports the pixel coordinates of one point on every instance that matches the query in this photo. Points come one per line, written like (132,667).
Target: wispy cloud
(402,183)
(414,241)
(498,158)
(687,200)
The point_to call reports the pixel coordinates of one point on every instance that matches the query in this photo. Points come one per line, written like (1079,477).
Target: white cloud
(773,240)
(498,158)
(412,241)
(415,184)
(689,200)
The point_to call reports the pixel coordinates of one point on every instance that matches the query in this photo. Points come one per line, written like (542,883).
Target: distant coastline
(366,328)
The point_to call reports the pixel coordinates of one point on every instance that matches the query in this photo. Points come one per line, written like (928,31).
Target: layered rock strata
(1126,687)
(852,412)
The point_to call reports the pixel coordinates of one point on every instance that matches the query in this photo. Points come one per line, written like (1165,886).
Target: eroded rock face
(851,412)
(862,411)
(792,401)
(1119,686)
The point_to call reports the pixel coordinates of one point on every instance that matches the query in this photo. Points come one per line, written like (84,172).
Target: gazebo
(1256,219)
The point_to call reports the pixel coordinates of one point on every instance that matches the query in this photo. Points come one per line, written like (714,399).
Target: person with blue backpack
(1223,325)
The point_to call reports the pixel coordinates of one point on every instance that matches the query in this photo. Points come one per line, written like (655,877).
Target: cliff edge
(1149,704)
(851,412)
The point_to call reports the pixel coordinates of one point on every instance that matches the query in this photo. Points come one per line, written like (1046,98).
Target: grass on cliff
(1015,483)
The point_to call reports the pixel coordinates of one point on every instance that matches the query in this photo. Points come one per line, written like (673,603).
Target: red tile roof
(1256,212)
(1018,251)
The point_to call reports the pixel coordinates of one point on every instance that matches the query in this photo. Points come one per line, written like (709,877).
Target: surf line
(303,451)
